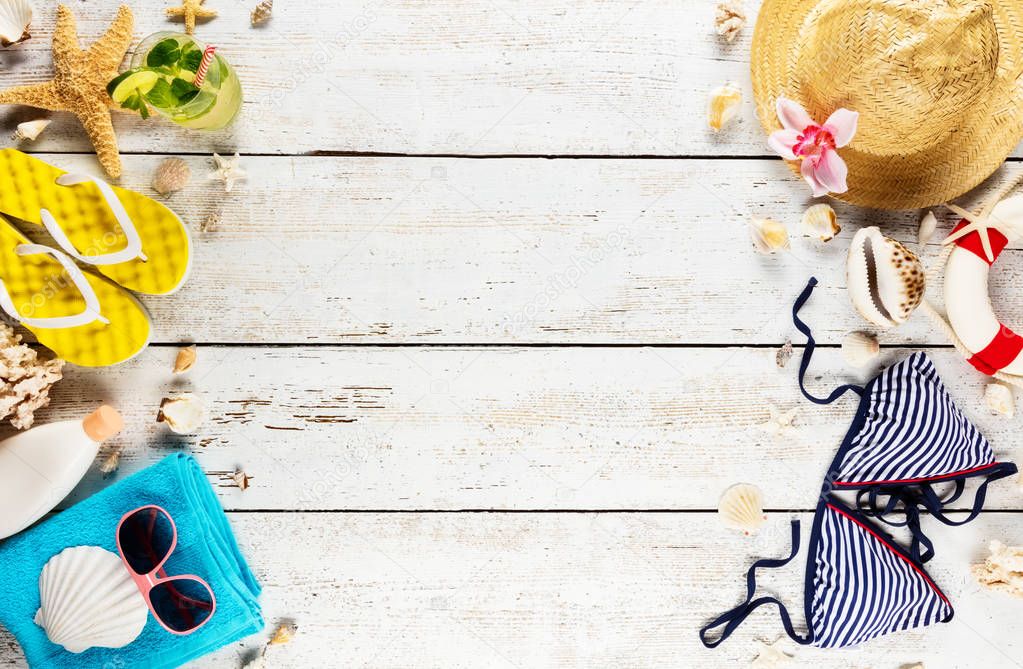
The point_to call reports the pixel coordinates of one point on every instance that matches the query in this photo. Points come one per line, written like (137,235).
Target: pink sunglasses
(146,537)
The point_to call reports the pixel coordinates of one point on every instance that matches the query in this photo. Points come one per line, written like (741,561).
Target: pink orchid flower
(815,145)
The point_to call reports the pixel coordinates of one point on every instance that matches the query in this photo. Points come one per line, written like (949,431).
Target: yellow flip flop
(133,239)
(83,318)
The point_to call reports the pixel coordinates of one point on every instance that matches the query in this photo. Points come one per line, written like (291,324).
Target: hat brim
(913,178)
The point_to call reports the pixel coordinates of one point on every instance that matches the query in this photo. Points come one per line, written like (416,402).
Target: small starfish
(227,171)
(780,422)
(79,83)
(771,655)
(982,221)
(191,10)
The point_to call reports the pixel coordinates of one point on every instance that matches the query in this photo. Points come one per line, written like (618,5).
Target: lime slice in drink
(129,83)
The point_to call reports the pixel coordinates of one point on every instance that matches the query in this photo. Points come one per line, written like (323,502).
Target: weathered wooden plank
(389,250)
(499,428)
(473,77)
(569,590)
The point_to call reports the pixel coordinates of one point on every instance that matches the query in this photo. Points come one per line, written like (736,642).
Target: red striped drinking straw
(204,64)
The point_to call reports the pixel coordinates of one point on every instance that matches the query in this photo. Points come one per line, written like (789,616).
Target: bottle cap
(103,423)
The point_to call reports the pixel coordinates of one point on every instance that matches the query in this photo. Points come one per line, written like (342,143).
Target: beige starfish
(191,10)
(983,220)
(79,83)
(227,171)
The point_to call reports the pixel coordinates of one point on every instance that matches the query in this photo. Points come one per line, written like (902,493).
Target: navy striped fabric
(865,586)
(912,432)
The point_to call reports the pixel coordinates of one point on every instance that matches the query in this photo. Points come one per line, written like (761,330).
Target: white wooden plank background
(489,398)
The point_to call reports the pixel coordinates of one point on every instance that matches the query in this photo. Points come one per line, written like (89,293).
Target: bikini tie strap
(911,502)
(935,504)
(735,617)
(804,362)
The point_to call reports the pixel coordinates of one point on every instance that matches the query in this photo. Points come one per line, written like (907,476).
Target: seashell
(999,399)
(784,354)
(182,413)
(88,600)
(185,359)
(284,633)
(729,19)
(928,224)
(768,235)
(15,15)
(30,129)
(109,464)
(886,280)
(262,12)
(1002,570)
(210,223)
(241,479)
(859,349)
(723,105)
(820,220)
(171,176)
(742,508)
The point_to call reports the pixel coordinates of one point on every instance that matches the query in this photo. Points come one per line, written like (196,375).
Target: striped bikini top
(907,437)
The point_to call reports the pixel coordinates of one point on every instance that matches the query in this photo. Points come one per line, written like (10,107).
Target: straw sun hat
(935,83)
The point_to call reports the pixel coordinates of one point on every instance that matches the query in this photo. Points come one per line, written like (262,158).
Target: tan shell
(742,508)
(859,349)
(723,105)
(262,12)
(185,359)
(821,221)
(885,279)
(15,17)
(768,235)
(171,176)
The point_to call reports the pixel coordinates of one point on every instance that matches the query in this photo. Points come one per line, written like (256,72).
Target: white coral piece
(1002,570)
(25,379)
(729,19)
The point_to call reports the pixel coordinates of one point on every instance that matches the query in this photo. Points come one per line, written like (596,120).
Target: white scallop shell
(820,220)
(885,279)
(768,235)
(742,507)
(860,349)
(15,15)
(998,398)
(88,600)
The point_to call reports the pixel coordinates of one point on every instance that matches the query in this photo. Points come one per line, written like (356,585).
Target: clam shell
(885,279)
(742,507)
(88,600)
(859,349)
(768,235)
(820,220)
(998,398)
(723,105)
(15,15)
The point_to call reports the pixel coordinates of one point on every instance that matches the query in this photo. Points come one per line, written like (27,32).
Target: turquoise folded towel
(206,547)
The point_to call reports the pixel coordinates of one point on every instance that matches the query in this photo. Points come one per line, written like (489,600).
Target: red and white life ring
(993,346)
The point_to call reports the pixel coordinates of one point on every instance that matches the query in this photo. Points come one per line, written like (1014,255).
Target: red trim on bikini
(889,547)
(971,470)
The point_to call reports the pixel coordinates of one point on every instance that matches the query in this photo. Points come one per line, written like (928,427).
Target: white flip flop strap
(91,312)
(133,249)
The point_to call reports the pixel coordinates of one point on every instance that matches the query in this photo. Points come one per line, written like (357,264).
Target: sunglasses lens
(145,539)
(182,604)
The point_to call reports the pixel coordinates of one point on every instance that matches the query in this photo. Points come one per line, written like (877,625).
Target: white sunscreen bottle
(40,466)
